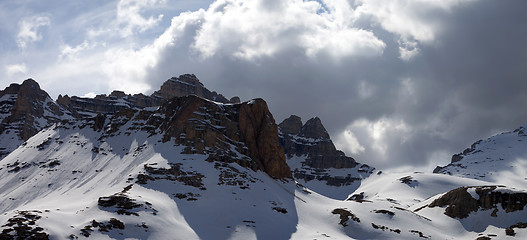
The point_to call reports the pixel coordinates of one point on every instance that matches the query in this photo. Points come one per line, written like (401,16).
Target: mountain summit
(25,109)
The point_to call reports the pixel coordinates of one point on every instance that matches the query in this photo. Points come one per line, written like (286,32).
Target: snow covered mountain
(501,159)
(187,167)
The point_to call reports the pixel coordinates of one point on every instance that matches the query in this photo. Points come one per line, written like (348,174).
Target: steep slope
(25,109)
(314,160)
(501,159)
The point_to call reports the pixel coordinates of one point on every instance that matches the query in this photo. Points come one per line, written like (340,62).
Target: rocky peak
(312,155)
(291,125)
(12,89)
(30,102)
(189,84)
(313,141)
(314,129)
(29,98)
(25,109)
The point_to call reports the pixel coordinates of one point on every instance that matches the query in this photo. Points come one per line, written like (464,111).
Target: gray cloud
(465,82)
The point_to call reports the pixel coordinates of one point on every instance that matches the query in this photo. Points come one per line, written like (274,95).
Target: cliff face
(226,132)
(189,84)
(244,133)
(313,141)
(25,109)
(313,157)
(460,203)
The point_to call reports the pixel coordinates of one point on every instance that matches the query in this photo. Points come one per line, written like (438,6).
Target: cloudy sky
(397,83)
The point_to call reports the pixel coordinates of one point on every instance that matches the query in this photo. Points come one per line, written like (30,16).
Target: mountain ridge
(116,167)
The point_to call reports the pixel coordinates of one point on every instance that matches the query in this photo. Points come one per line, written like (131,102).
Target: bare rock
(313,141)
(25,109)
(189,84)
(260,133)
(460,203)
(211,128)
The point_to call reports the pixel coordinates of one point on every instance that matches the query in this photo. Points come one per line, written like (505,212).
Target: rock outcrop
(208,127)
(312,155)
(25,109)
(187,84)
(244,133)
(460,203)
(313,141)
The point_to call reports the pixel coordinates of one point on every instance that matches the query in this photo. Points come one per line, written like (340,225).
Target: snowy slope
(501,159)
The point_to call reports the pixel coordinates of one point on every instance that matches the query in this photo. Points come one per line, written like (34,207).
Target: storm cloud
(398,84)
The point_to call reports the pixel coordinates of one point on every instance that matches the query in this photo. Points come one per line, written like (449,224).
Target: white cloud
(347,142)
(414,21)
(89,95)
(29,30)
(15,69)
(378,137)
(70,53)
(129,18)
(245,30)
(126,69)
(408,49)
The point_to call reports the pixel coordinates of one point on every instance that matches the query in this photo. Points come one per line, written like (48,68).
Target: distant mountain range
(188,163)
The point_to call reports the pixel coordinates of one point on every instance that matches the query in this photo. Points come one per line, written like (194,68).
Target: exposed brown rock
(460,203)
(214,129)
(314,129)
(260,134)
(345,215)
(102,104)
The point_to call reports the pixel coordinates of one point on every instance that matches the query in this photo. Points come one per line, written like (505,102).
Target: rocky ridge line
(186,84)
